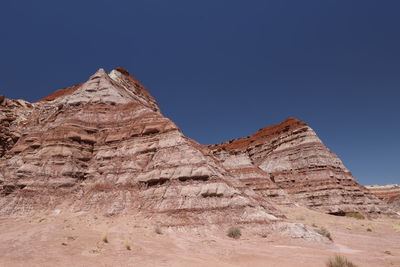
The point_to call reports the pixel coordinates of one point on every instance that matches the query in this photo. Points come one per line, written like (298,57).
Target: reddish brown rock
(290,158)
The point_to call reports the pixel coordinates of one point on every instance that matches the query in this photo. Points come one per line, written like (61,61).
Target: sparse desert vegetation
(323,231)
(157,230)
(339,261)
(355,214)
(132,239)
(127,244)
(234,232)
(264,234)
(105,237)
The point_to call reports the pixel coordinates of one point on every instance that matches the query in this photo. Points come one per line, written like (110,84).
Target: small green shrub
(355,214)
(369,230)
(339,261)
(388,252)
(323,231)
(234,232)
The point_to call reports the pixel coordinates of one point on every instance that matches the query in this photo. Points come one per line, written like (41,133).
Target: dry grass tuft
(264,235)
(105,238)
(234,232)
(355,214)
(339,261)
(157,230)
(127,244)
(323,231)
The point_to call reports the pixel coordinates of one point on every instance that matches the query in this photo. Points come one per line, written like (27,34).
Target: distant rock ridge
(103,145)
(388,193)
(296,165)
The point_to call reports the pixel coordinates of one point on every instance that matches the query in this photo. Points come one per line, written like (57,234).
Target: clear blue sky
(223,69)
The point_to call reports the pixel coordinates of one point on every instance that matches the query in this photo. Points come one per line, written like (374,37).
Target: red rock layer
(297,164)
(61,92)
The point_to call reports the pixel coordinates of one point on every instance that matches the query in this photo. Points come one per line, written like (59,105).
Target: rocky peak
(290,156)
(116,87)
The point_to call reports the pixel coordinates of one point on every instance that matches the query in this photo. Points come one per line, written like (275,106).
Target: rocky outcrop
(293,164)
(13,115)
(388,193)
(104,146)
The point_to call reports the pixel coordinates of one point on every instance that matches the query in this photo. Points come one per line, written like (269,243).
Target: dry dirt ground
(79,240)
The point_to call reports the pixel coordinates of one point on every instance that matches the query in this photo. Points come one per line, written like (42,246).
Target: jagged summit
(116,87)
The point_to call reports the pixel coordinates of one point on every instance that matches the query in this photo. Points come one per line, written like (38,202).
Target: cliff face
(297,166)
(104,146)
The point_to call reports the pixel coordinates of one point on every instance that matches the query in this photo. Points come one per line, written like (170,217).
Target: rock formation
(289,162)
(388,193)
(104,146)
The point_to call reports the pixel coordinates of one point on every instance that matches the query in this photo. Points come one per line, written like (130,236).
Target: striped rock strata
(388,193)
(104,146)
(289,163)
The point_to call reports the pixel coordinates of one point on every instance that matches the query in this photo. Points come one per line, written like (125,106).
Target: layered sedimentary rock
(388,193)
(13,114)
(291,162)
(104,146)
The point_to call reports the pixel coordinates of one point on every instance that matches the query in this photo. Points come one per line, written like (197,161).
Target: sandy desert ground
(78,240)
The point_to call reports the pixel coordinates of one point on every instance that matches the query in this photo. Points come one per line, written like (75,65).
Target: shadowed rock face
(104,146)
(293,164)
